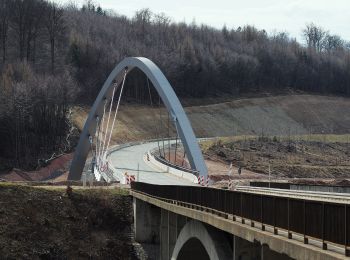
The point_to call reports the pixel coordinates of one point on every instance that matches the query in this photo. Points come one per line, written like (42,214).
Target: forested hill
(202,61)
(53,56)
(87,42)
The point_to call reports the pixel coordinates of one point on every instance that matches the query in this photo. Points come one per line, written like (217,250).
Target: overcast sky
(281,15)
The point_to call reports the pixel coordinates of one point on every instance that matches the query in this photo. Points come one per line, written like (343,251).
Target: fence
(305,187)
(323,221)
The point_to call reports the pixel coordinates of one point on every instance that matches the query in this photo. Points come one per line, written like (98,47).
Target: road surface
(129,159)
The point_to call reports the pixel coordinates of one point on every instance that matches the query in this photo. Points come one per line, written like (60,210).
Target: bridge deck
(131,158)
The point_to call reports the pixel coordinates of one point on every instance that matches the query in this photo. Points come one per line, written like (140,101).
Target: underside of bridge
(173,236)
(192,247)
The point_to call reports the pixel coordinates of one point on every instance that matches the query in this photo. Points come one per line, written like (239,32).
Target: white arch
(168,97)
(215,244)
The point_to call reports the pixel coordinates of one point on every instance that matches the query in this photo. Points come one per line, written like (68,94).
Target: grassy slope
(277,115)
(37,223)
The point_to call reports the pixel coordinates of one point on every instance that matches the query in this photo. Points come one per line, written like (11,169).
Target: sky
(272,15)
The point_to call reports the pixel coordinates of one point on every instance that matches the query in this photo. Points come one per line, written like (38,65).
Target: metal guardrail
(167,163)
(302,187)
(333,194)
(155,153)
(326,222)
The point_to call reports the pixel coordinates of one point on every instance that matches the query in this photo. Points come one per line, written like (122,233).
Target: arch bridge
(98,141)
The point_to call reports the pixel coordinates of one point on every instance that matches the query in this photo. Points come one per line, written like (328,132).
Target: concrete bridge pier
(146,222)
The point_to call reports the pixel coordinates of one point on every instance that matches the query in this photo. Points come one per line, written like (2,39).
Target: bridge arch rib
(168,97)
(196,237)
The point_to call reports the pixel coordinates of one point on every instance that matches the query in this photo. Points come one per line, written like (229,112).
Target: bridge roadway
(129,158)
(132,160)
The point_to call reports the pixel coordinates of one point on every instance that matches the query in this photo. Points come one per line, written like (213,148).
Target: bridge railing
(326,222)
(156,154)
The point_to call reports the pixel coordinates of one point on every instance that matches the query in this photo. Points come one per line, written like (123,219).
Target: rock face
(37,223)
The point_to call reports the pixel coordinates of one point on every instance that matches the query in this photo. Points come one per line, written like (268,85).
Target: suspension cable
(116,111)
(169,138)
(161,123)
(175,150)
(150,97)
(109,116)
(93,161)
(100,134)
(91,141)
(96,135)
(177,135)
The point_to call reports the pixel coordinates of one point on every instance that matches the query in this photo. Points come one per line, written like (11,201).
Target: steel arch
(168,97)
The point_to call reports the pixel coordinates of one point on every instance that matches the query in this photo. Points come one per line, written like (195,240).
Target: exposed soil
(38,223)
(287,159)
(268,115)
(53,170)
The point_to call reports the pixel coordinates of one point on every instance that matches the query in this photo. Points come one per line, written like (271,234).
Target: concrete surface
(130,159)
(216,246)
(290,247)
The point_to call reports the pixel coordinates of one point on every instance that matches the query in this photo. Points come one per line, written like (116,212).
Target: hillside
(268,116)
(297,157)
(49,223)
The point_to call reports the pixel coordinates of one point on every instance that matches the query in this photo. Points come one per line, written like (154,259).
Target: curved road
(128,159)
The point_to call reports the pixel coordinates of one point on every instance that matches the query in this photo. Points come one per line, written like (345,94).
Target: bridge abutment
(146,222)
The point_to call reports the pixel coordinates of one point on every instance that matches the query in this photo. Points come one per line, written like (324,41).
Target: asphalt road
(130,159)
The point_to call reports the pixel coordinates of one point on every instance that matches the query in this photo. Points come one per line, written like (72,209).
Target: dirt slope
(287,159)
(37,223)
(277,115)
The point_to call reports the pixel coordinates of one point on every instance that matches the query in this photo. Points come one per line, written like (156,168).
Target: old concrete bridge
(206,223)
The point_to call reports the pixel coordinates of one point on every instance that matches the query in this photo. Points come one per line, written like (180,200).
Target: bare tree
(314,36)
(4,26)
(34,16)
(25,21)
(143,18)
(18,23)
(332,42)
(162,22)
(55,27)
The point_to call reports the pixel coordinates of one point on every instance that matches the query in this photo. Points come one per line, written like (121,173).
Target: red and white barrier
(203,181)
(129,178)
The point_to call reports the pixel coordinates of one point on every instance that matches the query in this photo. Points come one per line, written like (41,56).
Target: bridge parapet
(179,172)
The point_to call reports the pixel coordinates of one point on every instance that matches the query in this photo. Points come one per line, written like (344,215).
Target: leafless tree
(332,42)
(4,26)
(314,36)
(25,20)
(55,27)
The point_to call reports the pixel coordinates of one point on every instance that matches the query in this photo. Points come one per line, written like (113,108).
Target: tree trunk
(52,45)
